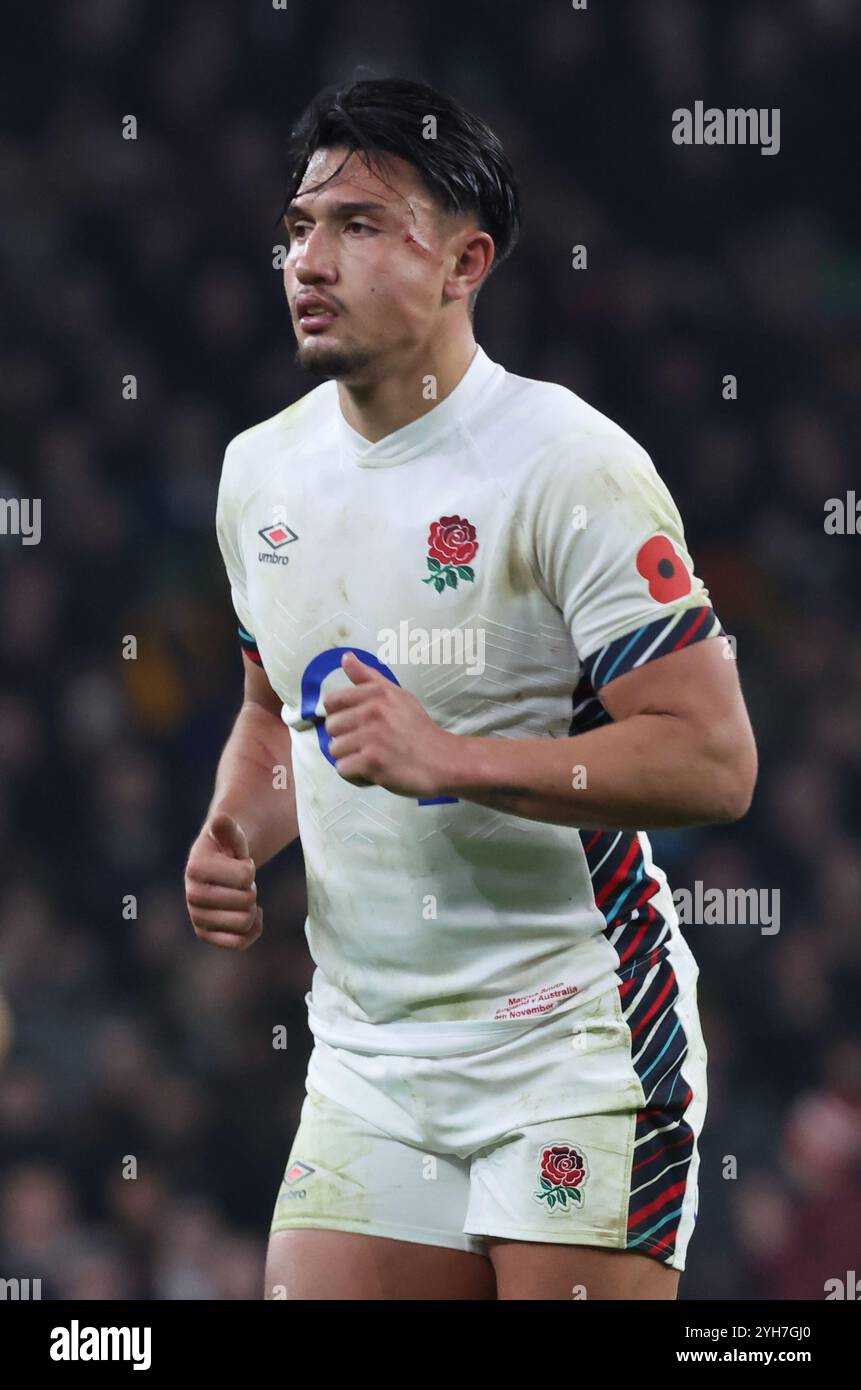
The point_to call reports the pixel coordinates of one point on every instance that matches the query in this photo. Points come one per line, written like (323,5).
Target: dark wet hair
(464,168)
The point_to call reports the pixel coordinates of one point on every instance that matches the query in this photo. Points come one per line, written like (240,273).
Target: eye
(297,230)
(365,226)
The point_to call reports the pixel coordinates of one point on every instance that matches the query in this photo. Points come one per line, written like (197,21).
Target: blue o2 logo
(321,666)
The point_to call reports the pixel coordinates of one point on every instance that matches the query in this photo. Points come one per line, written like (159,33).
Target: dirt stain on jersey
(518,573)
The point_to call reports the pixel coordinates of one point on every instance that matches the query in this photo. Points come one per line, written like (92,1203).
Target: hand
(382,736)
(220,890)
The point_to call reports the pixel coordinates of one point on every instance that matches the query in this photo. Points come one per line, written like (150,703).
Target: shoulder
(292,427)
(552,437)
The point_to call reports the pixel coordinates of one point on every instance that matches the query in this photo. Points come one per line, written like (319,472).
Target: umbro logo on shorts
(297,1171)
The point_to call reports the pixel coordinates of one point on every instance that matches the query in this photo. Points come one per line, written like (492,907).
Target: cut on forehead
(376,129)
(379,174)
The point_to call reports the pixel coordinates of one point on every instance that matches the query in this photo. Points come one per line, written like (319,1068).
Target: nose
(314,262)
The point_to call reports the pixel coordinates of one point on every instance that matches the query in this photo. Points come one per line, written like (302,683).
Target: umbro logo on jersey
(276,537)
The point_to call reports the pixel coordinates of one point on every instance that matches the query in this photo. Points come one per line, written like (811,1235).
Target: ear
(474,251)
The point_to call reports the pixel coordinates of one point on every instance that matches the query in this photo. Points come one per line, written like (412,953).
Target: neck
(418,382)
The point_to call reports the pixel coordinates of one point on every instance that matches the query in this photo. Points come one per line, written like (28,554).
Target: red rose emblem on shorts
(666,573)
(562,1172)
(451,545)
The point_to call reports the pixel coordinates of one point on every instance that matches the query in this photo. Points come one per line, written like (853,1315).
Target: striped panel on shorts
(640,934)
(648,992)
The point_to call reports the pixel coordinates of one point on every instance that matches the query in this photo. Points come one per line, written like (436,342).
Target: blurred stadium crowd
(126,1040)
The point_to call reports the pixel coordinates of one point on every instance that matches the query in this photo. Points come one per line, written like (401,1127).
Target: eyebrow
(296,209)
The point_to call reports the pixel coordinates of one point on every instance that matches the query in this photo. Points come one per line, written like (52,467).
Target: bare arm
(680,752)
(251,818)
(254,781)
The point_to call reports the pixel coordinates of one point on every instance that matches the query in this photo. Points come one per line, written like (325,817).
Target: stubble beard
(338,363)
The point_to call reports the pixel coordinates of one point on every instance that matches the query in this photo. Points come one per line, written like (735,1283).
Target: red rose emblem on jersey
(664,570)
(452,540)
(562,1172)
(452,544)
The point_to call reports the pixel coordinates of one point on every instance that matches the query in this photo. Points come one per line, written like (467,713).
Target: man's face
(379,255)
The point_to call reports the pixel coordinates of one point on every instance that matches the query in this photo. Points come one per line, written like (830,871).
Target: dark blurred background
(125,1036)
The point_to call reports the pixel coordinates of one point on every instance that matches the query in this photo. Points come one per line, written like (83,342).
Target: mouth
(315,316)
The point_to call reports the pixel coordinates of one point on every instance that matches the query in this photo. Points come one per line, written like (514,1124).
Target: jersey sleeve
(227,514)
(611,553)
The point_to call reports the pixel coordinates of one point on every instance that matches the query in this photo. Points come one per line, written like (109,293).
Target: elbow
(734,805)
(735,782)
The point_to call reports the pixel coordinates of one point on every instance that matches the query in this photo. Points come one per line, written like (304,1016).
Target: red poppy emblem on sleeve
(661,566)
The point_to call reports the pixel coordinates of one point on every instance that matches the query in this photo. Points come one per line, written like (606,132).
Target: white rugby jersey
(502,557)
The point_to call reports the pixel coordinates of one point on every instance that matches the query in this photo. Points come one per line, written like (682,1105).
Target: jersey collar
(419,434)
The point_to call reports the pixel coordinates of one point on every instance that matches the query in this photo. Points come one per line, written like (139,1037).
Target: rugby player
(508,1078)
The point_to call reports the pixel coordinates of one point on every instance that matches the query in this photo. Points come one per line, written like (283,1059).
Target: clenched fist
(220,889)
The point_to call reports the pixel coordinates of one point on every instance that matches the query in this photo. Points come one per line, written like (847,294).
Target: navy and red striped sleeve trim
(646,643)
(249,646)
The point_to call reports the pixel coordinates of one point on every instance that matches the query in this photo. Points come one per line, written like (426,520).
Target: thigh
(361,1214)
(527,1270)
(331,1265)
